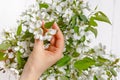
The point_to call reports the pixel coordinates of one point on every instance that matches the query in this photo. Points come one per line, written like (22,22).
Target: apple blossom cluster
(32,20)
(80,61)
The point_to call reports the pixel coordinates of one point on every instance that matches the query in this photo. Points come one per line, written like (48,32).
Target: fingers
(52,42)
(43,27)
(59,39)
(59,34)
(51,49)
(38,45)
(52,45)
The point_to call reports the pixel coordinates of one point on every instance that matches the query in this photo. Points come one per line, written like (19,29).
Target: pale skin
(41,59)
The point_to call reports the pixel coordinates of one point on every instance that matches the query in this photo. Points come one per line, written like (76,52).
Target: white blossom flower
(16,48)
(31,44)
(48,37)
(14,65)
(39,36)
(25,55)
(25,17)
(59,8)
(100,49)
(35,29)
(7,61)
(51,77)
(15,59)
(62,70)
(68,14)
(23,45)
(10,55)
(76,36)
(51,32)
(22,50)
(16,71)
(24,28)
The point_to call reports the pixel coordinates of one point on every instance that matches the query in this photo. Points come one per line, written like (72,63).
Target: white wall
(116,29)
(108,34)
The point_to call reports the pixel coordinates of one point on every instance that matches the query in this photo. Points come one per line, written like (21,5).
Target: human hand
(41,59)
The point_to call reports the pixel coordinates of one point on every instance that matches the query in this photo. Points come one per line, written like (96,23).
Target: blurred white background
(109,35)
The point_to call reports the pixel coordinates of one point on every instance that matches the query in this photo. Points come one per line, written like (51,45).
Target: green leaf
(95,78)
(93,30)
(96,7)
(49,24)
(83,38)
(63,78)
(100,16)
(63,61)
(115,62)
(69,48)
(75,54)
(91,51)
(60,21)
(19,30)
(21,61)
(2,56)
(98,64)
(73,76)
(84,64)
(92,22)
(108,73)
(114,73)
(4,46)
(27,35)
(76,29)
(73,20)
(43,5)
(70,40)
(83,18)
(102,60)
